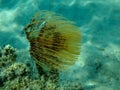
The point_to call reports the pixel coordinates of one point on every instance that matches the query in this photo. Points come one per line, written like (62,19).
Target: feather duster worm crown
(54,40)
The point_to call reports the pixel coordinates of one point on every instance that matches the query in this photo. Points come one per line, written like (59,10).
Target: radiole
(54,41)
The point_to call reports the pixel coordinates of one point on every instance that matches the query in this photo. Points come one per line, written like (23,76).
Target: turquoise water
(97,67)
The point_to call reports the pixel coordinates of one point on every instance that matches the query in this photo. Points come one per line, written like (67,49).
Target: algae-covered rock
(14,71)
(7,56)
(19,76)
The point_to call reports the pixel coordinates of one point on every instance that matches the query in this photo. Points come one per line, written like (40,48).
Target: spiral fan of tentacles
(54,40)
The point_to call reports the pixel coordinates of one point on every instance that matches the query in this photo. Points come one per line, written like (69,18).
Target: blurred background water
(99,21)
